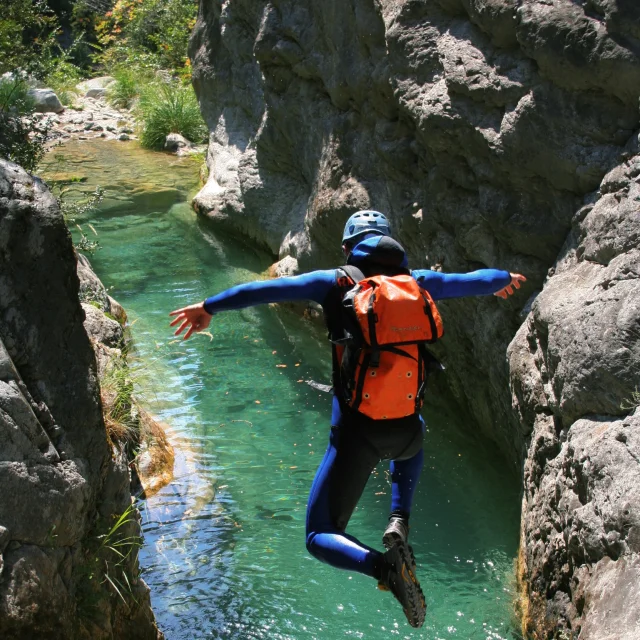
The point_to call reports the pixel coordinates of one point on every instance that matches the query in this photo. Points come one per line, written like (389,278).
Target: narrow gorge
(494,133)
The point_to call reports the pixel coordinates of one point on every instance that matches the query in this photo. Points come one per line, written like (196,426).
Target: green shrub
(129,83)
(22,134)
(154,33)
(169,108)
(63,78)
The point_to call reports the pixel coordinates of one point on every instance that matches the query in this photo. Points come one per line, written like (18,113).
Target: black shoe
(398,576)
(397,529)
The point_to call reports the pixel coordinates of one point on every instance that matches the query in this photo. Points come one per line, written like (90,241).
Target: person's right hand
(194,316)
(516,279)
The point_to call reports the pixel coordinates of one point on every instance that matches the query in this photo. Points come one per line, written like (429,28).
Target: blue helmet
(363,222)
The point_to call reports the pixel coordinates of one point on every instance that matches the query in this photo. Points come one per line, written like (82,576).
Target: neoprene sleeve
(317,284)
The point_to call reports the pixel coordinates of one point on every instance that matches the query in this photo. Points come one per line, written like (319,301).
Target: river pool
(224,551)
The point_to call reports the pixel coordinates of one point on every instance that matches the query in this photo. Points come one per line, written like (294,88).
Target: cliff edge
(63,486)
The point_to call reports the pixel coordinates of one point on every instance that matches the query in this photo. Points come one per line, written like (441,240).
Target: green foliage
(22,134)
(111,562)
(169,108)
(74,209)
(117,390)
(116,547)
(63,78)
(27,33)
(631,403)
(126,88)
(147,33)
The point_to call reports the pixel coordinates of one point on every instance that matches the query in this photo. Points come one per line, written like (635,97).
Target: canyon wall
(494,133)
(64,485)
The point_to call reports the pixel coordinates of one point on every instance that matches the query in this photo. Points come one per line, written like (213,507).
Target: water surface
(224,550)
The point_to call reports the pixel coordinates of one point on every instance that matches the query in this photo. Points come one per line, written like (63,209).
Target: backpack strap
(352,272)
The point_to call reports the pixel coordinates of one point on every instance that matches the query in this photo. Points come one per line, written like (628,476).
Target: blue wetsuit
(356,443)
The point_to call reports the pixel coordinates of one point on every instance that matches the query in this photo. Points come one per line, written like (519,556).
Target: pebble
(80,122)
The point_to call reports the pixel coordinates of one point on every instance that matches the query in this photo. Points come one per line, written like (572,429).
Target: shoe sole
(416,608)
(391,538)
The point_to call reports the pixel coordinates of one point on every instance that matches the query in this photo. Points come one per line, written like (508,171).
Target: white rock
(96,87)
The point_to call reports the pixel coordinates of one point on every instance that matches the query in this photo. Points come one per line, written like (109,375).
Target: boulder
(45,101)
(95,87)
(175,143)
(101,328)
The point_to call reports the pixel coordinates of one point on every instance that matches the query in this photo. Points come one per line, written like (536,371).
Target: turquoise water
(224,550)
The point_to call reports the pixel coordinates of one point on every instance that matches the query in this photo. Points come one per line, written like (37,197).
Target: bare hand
(516,279)
(194,317)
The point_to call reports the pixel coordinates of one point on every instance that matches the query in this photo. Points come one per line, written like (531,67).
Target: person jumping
(380,316)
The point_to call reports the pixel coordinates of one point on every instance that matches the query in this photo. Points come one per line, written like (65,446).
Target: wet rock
(124,136)
(176,143)
(45,100)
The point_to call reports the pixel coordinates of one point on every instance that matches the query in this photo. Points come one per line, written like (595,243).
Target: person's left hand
(194,315)
(516,279)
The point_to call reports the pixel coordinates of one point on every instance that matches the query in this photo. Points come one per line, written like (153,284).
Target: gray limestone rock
(61,482)
(484,129)
(175,142)
(45,101)
(575,358)
(95,87)
(91,288)
(101,328)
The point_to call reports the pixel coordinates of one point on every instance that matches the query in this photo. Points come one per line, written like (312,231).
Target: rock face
(61,483)
(575,372)
(481,127)
(455,117)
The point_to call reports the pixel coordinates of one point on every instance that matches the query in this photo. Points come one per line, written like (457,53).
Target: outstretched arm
(309,286)
(475,283)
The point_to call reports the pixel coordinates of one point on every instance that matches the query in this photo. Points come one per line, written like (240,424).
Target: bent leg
(336,489)
(404,480)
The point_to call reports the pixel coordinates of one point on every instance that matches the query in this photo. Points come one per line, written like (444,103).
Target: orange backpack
(382,358)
